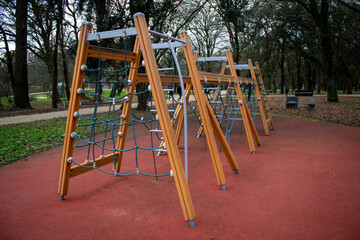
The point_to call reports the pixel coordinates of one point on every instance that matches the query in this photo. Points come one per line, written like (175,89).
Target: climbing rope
(95,80)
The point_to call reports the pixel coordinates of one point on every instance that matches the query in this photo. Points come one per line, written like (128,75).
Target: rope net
(224,102)
(106,87)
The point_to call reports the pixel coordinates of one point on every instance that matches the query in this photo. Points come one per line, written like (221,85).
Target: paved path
(49,115)
(57,114)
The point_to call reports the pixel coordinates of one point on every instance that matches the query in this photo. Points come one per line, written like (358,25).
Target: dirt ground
(346,111)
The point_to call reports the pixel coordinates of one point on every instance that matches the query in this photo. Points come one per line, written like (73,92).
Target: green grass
(22,140)
(5,102)
(45,97)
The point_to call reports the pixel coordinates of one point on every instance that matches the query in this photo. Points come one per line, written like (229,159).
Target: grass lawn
(22,140)
(46,97)
(25,139)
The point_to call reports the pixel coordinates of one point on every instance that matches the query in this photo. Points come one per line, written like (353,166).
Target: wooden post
(223,67)
(258,96)
(248,122)
(164,118)
(74,104)
(208,117)
(181,112)
(265,98)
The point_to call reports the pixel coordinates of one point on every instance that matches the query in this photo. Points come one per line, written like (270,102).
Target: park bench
(292,102)
(311,104)
(304,93)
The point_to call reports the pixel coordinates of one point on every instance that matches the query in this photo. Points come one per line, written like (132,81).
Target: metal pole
(167,36)
(184,107)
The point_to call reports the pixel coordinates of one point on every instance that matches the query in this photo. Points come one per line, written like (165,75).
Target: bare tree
(21,89)
(7,36)
(44,25)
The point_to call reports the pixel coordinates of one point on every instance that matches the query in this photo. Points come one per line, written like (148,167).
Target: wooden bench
(304,92)
(311,104)
(292,102)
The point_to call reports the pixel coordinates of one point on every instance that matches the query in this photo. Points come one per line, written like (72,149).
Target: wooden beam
(258,96)
(111,54)
(77,170)
(164,118)
(261,82)
(74,104)
(247,120)
(201,102)
(144,78)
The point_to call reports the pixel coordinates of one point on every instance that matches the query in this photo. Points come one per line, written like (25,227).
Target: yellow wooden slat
(201,98)
(247,120)
(111,54)
(74,104)
(265,97)
(257,91)
(77,170)
(164,119)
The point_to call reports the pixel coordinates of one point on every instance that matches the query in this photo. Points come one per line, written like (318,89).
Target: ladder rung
(155,130)
(212,88)
(168,90)
(215,101)
(170,110)
(231,87)
(165,69)
(238,119)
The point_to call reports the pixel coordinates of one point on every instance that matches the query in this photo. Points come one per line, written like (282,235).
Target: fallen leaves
(345,112)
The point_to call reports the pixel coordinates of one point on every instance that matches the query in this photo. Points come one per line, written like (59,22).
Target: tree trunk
(298,72)
(65,73)
(142,98)
(274,84)
(309,81)
(282,70)
(54,78)
(21,89)
(328,55)
(349,76)
(63,56)
(318,80)
(9,59)
(292,77)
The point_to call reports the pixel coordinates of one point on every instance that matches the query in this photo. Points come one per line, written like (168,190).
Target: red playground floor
(302,183)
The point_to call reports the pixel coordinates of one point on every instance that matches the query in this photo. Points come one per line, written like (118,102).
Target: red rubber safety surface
(302,183)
